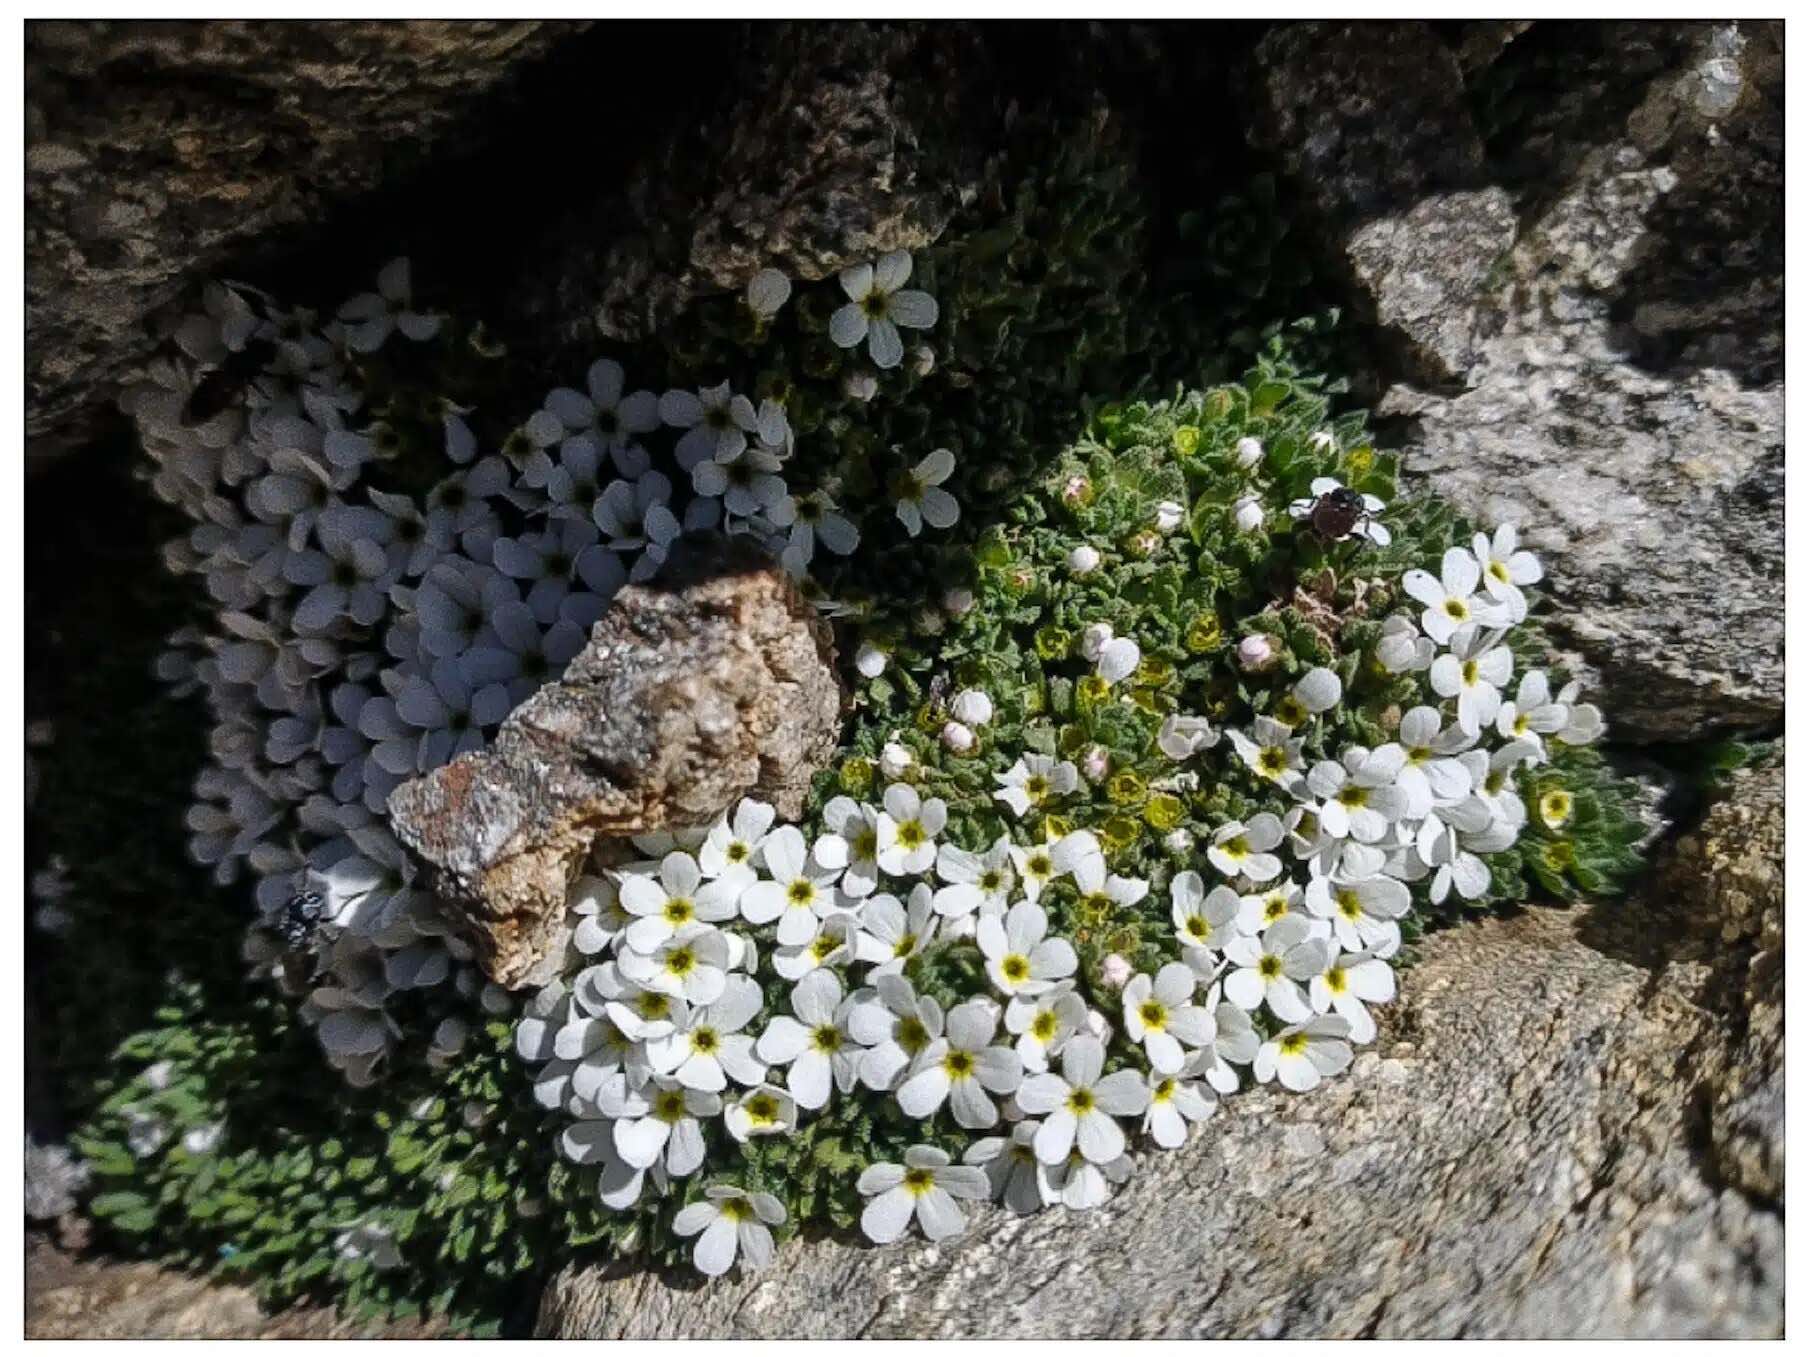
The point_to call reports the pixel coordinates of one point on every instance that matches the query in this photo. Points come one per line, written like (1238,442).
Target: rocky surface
(1571,1128)
(1584,310)
(714,682)
(157,151)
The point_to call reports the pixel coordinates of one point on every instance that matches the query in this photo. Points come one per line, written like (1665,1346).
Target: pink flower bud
(1256,652)
(1115,971)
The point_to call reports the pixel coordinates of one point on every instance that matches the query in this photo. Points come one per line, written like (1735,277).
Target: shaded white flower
(370,317)
(973,881)
(816,518)
(852,845)
(762,1111)
(1473,673)
(717,423)
(1249,452)
(877,306)
(964,1065)
(1033,780)
(690,965)
(1201,919)
(1402,649)
(1020,958)
(1013,1173)
(1348,984)
(927,1185)
(660,1126)
(1357,798)
(919,496)
(1240,849)
(957,737)
(1301,1056)
(748,484)
(896,1025)
(890,936)
(1078,1106)
(1044,1022)
(730,1220)
(1175,1105)
(768,292)
(1271,966)
(1181,737)
(525,653)
(1247,513)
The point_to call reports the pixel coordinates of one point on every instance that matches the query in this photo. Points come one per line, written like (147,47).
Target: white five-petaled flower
(1271,751)
(1040,864)
(1181,737)
(919,496)
(730,1220)
(816,518)
(877,305)
(1348,984)
(853,844)
(815,1044)
(732,845)
(1033,780)
(1357,798)
(896,1025)
(1203,920)
(1302,1055)
(661,1125)
(907,829)
(718,424)
(1359,901)
(1118,659)
(964,1065)
(675,897)
(1043,1023)
(1078,1106)
(973,881)
(371,317)
(1504,568)
(1161,1016)
(761,1111)
(1014,1175)
(928,1185)
(1473,673)
(1176,1104)
(890,936)
(1020,959)
(1270,967)
(712,1043)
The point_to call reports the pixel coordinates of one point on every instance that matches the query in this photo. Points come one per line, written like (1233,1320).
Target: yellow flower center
(864,844)
(762,1109)
(1037,787)
(1470,674)
(1271,761)
(670,1106)
(1038,866)
(1336,981)
(738,851)
(678,910)
(1015,968)
(918,1181)
(1197,927)
(1165,1091)
(736,1209)
(801,893)
(1153,1015)
(1274,906)
(912,1036)
(910,834)
(1355,798)
(1498,570)
(959,1064)
(1236,849)
(681,961)
(1293,1043)
(1349,904)
(1456,610)
(1269,967)
(704,1040)
(827,1039)
(1081,1101)
(1044,1025)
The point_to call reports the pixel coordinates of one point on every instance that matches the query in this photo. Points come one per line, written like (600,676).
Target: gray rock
(155,151)
(840,142)
(714,682)
(1530,1152)
(1565,364)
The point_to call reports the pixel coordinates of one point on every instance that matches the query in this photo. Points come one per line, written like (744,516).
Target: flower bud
(870,660)
(896,760)
(973,707)
(859,386)
(958,601)
(1077,490)
(1096,763)
(1169,515)
(1257,652)
(1094,640)
(922,360)
(1249,452)
(1178,841)
(1115,971)
(1247,513)
(957,737)
(1083,560)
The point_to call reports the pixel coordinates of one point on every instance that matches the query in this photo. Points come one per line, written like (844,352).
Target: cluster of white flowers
(366,637)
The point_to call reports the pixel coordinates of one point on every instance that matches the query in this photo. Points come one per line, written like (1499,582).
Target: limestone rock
(1529,1153)
(1584,305)
(155,151)
(713,682)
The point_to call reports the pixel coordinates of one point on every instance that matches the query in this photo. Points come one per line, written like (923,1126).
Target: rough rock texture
(155,150)
(67,1297)
(1571,1128)
(1585,305)
(713,682)
(840,141)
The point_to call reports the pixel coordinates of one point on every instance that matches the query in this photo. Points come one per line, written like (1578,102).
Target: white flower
(203,1139)
(372,316)
(768,293)
(1181,737)
(691,965)
(1319,690)
(716,421)
(815,1044)
(1161,1017)
(1450,602)
(965,1064)
(712,1044)
(1438,848)
(1033,780)
(661,1125)
(1247,513)
(1014,1175)
(1078,1106)
(1175,1104)
(662,905)
(1358,798)
(896,1025)
(1169,515)
(1243,850)
(728,1220)
(891,936)
(851,846)
(1531,714)
(1504,568)
(1402,649)
(1473,673)
(1271,752)
(762,1111)
(1349,982)
(1203,920)
(1039,864)
(833,945)
(973,882)
(1118,659)
(748,484)
(919,494)
(1083,560)
(895,761)
(1257,912)
(593,1141)
(1100,887)
(957,737)
(1080,1185)
(371,1241)
(1585,722)
(802,892)
(1249,453)
(877,306)
(1431,775)
(929,1185)
(1044,1023)
(1270,966)
(1115,971)
(816,516)
(527,654)
(595,901)
(1359,901)
(605,420)
(972,707)
(906,830)
(871,660)
(1304,1054)
(1020,959)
